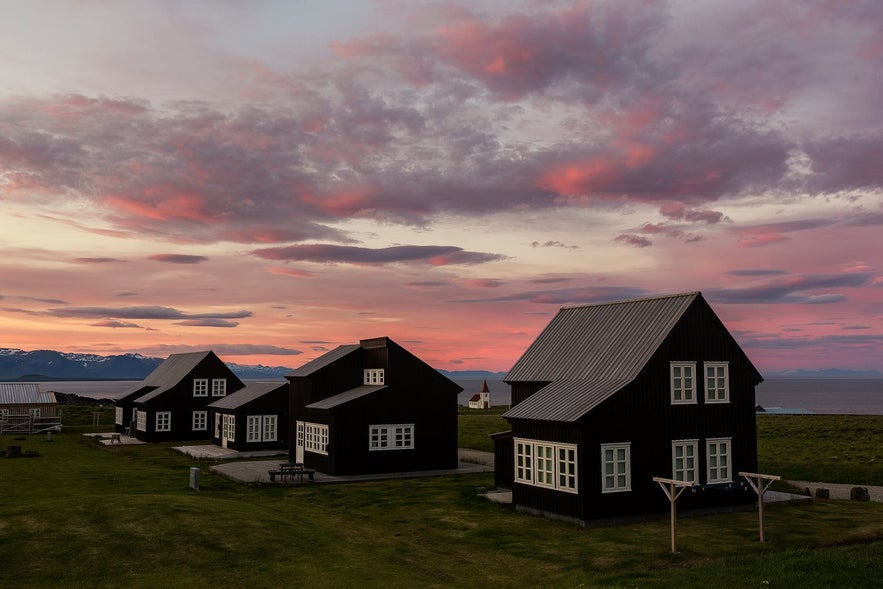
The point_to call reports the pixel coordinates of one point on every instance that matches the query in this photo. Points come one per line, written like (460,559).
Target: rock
(859,494)
(822,493)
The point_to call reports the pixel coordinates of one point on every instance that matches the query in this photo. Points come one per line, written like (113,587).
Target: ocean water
(839,396)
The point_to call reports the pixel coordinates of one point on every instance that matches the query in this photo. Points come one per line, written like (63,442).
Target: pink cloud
(289,272)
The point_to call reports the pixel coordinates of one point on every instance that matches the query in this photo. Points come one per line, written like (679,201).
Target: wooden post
(668,487)
(763,483)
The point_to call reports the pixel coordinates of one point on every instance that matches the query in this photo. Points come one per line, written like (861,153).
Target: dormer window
(373,376)
(683,383)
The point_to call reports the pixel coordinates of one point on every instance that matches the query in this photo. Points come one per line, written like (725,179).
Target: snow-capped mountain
(52,365)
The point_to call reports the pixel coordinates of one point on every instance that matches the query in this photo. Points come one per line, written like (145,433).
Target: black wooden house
(172,402)
(252,418)
(372,407)
(611,395)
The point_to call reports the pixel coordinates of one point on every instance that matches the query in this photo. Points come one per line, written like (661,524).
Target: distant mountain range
(43,365)
(824,373)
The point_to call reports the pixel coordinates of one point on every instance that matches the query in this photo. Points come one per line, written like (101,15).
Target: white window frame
(316,438)
(253,428)
(200,387)
(270,428)
(228,423)
(681,393)
(717,384)
(687,452)
(141,420)
(373,376)
(200,421)
(163,421)
(551,465)
(219,387)
(118,416)
(217,425)
(615,469)
(34,412)
(301,434)
(391,436)
(717,461)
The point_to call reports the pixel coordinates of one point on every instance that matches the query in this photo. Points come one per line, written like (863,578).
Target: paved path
(838,490)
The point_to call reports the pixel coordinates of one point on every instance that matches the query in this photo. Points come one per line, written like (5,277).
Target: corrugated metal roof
(170,373)
(252,391)
(24,393)
(565,400)
(588,353)
(610,341)
(345,397)
(324,360)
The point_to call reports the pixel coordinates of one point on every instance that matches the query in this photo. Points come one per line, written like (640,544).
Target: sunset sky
(269,179)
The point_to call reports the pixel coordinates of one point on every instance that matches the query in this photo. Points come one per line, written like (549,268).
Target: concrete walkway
(107,439)
(838,490)
(213,452)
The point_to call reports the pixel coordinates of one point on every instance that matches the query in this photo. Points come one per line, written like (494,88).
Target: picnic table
(289,470)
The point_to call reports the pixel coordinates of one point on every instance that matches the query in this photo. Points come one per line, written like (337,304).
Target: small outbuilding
(252,418)
(611,395)
(25,408)
(171,404)
(372,407)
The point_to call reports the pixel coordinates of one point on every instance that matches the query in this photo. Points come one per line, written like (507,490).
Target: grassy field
(85,515)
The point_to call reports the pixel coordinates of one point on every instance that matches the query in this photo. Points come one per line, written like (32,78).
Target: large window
(270,428)
(683,460)
(717,382)
(546,464)
(200,387)
(616,469)
(228,423)
(219,387)
(316,437)
(683,382)
(200,420)
(163,421)
(260,428)
(391,437)
(141,420)
(718,456)
(373,376)
(118,416)
(253,428)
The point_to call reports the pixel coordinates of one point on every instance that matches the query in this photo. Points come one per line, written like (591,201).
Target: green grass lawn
(86,515)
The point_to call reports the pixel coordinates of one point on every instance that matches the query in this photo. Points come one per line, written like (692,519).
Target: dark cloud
(635,240)
(559,244)
(34,299)
(435,255)
(178,258)
(794,289)
(756,272)
(116,324)
(96,260)
(567,296)
(207,323)
(145,312)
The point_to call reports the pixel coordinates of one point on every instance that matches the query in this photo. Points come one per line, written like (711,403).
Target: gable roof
(24,393)
(324,360)
(588,353)
(252,391)
(169,373)
(345,397)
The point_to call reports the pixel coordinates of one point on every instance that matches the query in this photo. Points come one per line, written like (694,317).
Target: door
(225,428)
(299,446)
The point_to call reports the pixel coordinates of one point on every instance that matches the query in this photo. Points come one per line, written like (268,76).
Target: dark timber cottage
(172,402)
(372,407)
(611,395)
(253,418)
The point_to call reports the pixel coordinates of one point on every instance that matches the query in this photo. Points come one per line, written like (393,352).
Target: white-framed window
(219,387)
(270,428)
(163,421)
(34,412)
(228,423)
(118,416)
(217,425)
(718,457)
(141,420)
(200,387)
(391,436)
(316,437)
(253,428)
(616,467)
(200,421)
(683,382)
(546,464)
(373,376)
(683,460)
(717,382)
(300,434)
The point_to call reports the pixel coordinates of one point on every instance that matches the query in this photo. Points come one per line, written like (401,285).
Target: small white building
(482,399)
